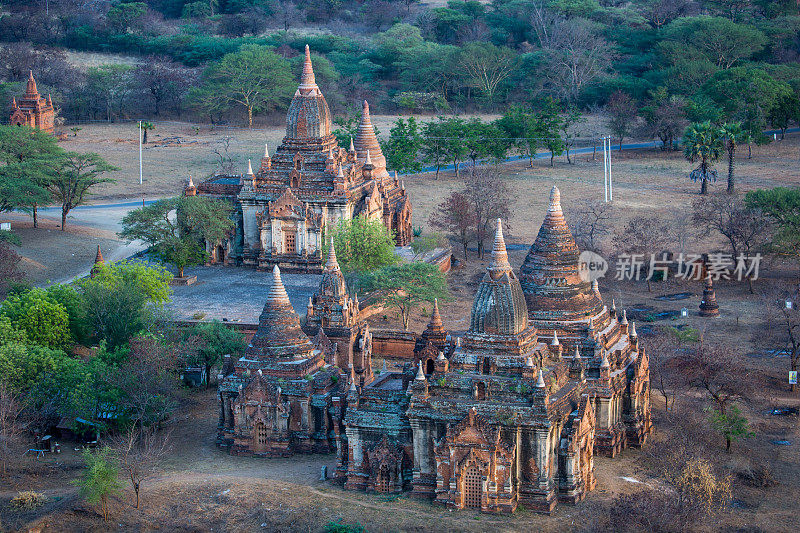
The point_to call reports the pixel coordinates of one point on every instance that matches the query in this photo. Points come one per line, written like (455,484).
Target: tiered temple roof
(554,289)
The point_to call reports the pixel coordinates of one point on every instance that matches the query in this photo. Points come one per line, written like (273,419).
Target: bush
(44,321)
(28,500)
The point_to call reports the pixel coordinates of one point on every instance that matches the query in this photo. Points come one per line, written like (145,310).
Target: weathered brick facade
(309,183)
(32,109)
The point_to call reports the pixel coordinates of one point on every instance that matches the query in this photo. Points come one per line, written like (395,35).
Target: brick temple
(32,109)
(512,412)
(309,182)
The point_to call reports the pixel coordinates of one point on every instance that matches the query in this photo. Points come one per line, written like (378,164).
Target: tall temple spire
(332,263)
(31,89)
(277,292)
(500,262)
(366,143)
(249,168)
(307,81)
(551,275)
(266,150)
(436,318)
(98,260)
(555,201)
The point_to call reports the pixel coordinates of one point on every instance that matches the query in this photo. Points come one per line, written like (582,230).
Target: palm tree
(733,134)
(703,140)
(146,126)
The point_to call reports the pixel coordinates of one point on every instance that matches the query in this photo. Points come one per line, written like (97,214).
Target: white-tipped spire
(307,81)
(555,339)
(540,380)
(624,317)
(353,387)
(277,293)
(440,357)
(191,183)
(613,305)
(633,330)
(529,362)
(331,263)
(595,287)
(499,253)
(555,200)
(384,369)
(604,360)
(352,148)
(368,159)
(420,373)
(577,353)
(249,168)
(266,150)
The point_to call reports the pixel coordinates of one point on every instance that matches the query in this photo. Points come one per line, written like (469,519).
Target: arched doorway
(260,437)
(382,481)
(472,487)
(487,365)
(429,367)
(220,254)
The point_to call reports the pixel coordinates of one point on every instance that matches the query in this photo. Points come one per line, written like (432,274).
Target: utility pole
(610,181)
(608,185)
(605,170)
(140,152)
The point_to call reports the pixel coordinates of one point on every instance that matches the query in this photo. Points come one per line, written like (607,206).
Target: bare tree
(222,151)
(148,380)
(10,410)
(782,320)
(714,369)
(659,13)
(642,238)
(591,222)
(456,216)
(746,229)
(576,55)
(622,114)
(490,199)
(661,351)
(139,450)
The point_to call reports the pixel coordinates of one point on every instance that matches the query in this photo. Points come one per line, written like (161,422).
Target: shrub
(28,500)
(44,321)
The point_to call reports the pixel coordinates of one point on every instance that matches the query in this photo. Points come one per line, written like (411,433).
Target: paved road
(127,206)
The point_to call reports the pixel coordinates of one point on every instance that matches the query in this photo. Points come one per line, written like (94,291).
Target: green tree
(78,173)
(433,144)
(474,132)
(785,110)
(550,124)
(44,321)
(362,244)
(29,159)
(178,241)
(732,425)
(453,131)
(100,478)
(522,126)
(782,206)
(403,147)
(406,286)
(721,41)
(215,340)
(255,78)
(72,301)
(117,298)
(122,15)
(733,134)
(146,126)
(150,280)
(570,117)
(703,141)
